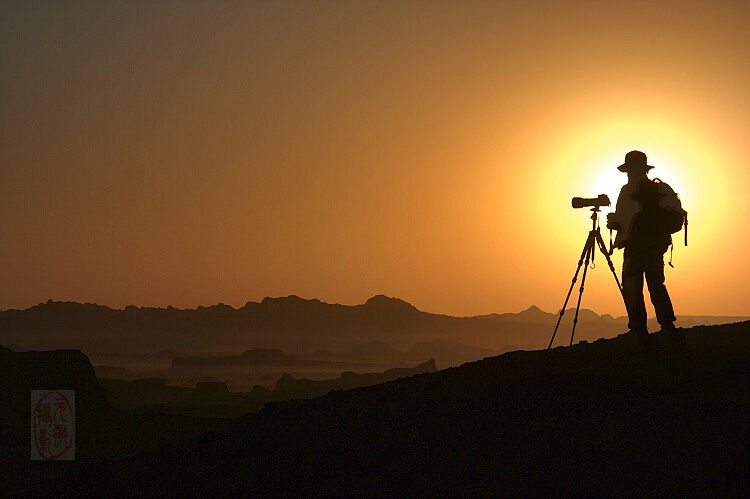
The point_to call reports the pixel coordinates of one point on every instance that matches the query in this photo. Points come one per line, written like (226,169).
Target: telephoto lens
(601,200)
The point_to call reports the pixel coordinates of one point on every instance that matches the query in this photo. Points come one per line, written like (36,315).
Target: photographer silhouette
(641,219)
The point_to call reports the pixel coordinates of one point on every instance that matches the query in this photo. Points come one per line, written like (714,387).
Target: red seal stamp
(53,425)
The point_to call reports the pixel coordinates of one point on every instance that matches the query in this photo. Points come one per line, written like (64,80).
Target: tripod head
(595,204)
(595,216)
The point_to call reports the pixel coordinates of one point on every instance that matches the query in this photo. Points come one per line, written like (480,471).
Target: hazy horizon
(570,307)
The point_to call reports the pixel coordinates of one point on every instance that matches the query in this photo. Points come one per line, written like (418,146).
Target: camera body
(597,202)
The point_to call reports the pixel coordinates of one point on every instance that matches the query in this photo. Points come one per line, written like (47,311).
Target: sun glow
(582,161)
(587,166)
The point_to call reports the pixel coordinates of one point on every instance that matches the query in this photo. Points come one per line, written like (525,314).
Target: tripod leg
(589,244)
(603,247)
(589,256)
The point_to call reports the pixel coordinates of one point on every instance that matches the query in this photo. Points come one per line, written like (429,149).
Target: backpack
(673,216)
(661,215)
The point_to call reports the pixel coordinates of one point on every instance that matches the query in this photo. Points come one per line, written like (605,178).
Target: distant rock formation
(153,395)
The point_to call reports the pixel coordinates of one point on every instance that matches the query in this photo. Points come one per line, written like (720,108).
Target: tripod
(589,249)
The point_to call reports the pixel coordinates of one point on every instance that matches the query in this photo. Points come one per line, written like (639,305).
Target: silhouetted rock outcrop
(22,372)
(101,432)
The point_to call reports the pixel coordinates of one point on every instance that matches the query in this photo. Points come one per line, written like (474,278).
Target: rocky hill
(610,418)
(22,372)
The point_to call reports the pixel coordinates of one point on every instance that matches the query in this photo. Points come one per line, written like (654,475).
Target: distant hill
(292,324)
(610,418)
(534,315)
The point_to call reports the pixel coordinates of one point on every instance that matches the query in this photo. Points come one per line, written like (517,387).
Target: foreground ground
(612,417)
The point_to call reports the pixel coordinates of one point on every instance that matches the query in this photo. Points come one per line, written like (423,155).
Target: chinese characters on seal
(53,425)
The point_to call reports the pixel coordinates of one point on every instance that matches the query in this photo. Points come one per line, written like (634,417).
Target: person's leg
(654,270)
(632,290)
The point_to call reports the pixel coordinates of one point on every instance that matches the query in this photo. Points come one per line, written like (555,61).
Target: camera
(601,200)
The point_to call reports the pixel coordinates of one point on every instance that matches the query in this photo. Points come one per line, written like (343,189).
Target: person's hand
(612,224)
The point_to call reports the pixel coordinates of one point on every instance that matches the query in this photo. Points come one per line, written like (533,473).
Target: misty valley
(230,386)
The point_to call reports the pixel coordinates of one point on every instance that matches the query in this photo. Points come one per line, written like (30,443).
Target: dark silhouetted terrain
(613,417)
(102,432)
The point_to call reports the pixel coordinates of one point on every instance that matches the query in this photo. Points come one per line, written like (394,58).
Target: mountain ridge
(291,323)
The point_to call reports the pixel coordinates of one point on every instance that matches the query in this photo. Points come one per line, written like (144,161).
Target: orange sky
(190,153)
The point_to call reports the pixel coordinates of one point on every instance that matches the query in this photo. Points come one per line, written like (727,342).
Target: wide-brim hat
(634,161)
